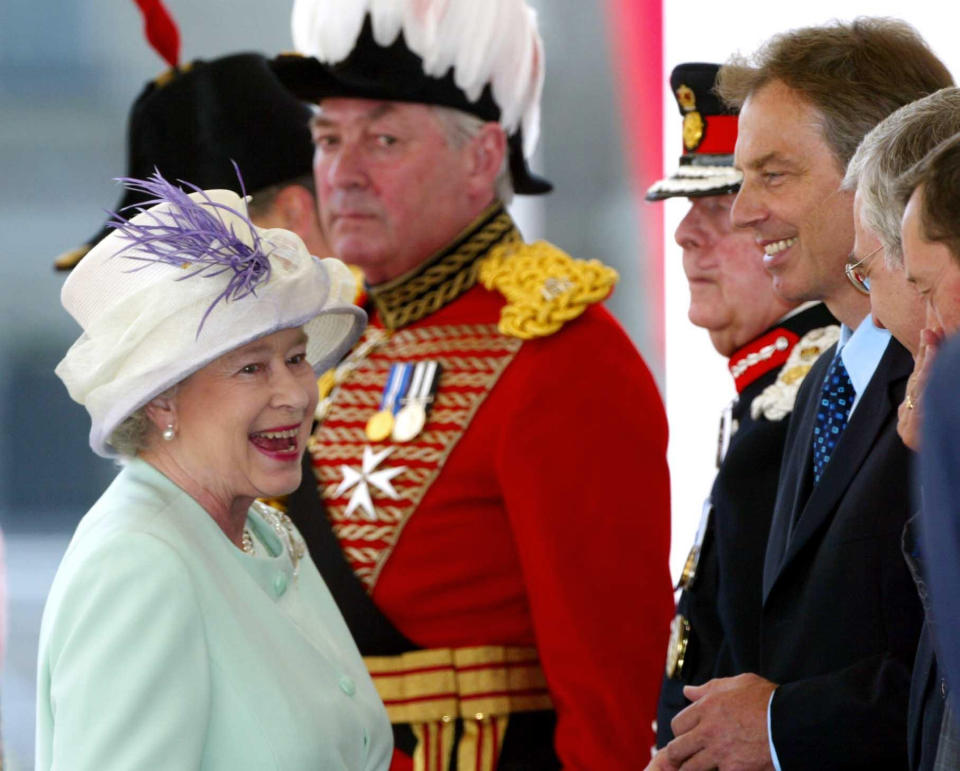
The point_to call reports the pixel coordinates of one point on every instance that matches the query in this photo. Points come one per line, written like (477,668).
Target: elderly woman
(187,628)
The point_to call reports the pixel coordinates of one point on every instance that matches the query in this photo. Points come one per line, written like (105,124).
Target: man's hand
(910,412)
(724,728)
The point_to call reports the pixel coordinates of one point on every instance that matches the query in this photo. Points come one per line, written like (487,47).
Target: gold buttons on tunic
(677,647)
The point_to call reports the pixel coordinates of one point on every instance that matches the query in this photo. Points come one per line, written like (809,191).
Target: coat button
(347,685)
(280,584)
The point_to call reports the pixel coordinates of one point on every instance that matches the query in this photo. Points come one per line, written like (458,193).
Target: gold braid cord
(480,686)
(446,277)
(544,286)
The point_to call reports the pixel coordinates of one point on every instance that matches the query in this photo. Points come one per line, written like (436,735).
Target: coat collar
(445,276)
(199,529)
(772,348)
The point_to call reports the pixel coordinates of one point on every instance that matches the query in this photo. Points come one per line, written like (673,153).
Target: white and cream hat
(182,283)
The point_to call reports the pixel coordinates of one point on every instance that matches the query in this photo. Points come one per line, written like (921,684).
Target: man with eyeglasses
(877,266)
(886,153)
(894,305)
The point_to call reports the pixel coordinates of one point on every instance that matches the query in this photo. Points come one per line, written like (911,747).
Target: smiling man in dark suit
(840,614)
(770,343)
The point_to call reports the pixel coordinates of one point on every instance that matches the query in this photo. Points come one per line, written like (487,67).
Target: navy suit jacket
(927,701)
(723,605)
(940,518)
(841,615)
(927,689)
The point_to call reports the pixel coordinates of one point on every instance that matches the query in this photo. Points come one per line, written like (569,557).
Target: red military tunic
(531,512)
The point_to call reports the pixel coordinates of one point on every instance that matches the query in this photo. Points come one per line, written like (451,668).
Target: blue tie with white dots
(836,399)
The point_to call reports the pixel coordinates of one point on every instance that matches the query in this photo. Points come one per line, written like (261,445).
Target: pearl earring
(169,433)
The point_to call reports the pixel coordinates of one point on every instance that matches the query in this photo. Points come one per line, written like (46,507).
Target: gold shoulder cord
(545,287)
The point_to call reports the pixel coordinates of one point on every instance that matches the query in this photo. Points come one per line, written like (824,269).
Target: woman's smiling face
(242,422)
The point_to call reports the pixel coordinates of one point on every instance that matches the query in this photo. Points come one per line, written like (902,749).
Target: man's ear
(487,151)
(296,208)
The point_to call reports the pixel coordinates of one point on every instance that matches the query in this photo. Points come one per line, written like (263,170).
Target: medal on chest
(380,425)
(412,385)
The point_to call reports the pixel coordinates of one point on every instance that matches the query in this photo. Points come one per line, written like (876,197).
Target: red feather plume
(161,30)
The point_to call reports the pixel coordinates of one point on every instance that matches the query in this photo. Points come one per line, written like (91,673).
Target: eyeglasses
(860,281)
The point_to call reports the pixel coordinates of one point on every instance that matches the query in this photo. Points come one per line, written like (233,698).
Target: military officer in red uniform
(770,344)
(486,491)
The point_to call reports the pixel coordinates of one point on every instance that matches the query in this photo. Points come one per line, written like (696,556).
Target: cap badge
(692,120)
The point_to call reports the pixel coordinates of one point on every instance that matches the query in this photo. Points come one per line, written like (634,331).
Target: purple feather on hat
(188,234)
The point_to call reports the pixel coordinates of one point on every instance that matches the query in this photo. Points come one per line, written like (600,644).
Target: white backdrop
(697,382)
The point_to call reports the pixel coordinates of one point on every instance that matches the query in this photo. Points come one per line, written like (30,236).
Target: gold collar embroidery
(447,275)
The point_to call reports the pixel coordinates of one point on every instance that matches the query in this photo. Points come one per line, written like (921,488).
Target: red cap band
(719,136)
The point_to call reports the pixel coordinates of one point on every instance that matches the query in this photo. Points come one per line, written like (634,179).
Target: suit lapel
(794,476)
(876,407)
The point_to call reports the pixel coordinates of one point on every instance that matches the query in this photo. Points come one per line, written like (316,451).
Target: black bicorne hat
(709,137)
(194,121)
(395,73)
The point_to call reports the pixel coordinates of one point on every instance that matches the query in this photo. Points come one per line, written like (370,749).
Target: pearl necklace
(247,542)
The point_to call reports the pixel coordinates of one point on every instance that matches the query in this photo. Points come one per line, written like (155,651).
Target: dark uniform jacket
(841,616)
(722,606)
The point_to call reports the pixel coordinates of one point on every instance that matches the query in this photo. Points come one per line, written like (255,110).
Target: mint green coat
(164,646)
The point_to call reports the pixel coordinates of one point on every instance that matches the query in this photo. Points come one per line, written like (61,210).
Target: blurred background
(67,80)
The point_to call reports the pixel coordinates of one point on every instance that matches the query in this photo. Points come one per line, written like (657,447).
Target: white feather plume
(387,16)
(491,42)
